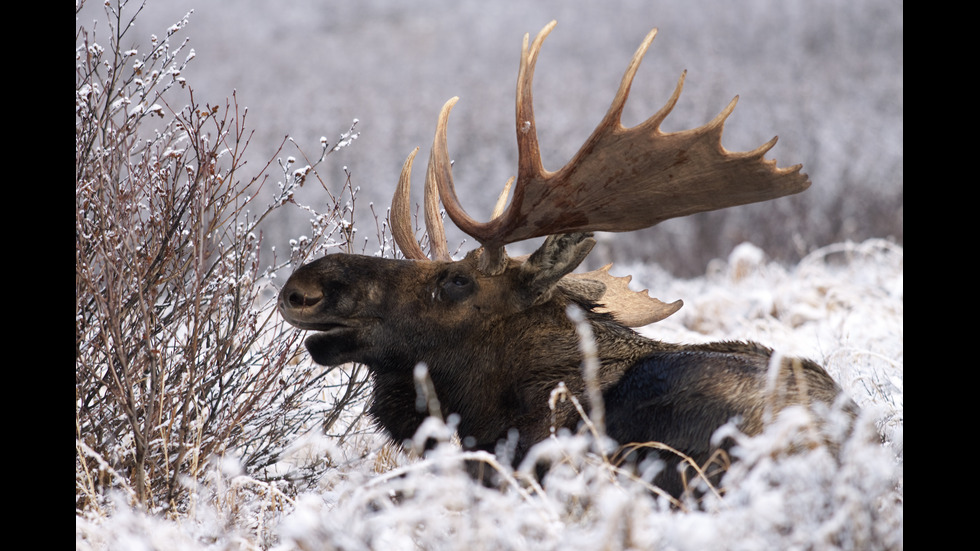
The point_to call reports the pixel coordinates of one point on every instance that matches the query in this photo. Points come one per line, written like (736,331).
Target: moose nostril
(299,299)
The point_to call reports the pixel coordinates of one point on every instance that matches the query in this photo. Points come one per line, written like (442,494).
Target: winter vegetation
(201,422)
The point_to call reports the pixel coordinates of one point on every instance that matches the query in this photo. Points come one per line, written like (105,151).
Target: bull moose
(494,331)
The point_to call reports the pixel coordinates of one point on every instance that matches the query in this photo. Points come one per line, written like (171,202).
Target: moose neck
(500,383)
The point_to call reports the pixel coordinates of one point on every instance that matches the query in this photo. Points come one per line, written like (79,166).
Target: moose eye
(456,287)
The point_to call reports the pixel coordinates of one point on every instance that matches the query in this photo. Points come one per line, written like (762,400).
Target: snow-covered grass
(828,80)
(841,306)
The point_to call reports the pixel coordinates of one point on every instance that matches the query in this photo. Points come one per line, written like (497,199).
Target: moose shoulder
(494,331)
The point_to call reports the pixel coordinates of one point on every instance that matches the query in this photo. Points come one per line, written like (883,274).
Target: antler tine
(438,246)
(401,217)
(401,213)
(621,179)
(440,171)
(529,164)
(498,208)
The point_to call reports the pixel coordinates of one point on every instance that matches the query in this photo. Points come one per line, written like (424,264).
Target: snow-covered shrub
(180,357)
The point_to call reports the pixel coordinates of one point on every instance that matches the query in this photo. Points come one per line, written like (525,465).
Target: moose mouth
(333,343)
(322,327)
(306,318)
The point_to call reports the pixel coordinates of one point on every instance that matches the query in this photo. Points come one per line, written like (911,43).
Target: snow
(841,306)
(307,69)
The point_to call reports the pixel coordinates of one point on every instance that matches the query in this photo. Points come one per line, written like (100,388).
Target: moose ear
(588,289)
(554,259)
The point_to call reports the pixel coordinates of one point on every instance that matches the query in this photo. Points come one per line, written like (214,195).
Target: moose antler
(401,217)
(622,179)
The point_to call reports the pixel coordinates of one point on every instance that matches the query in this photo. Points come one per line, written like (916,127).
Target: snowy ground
(842,306)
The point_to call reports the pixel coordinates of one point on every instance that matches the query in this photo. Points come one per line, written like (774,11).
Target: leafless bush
(180,356)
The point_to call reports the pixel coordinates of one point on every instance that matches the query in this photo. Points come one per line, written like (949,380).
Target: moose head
(493,331)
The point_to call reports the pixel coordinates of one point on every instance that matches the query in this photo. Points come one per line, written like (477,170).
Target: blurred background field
(826,77)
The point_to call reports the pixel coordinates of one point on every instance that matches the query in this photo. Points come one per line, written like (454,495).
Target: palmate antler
(620,180)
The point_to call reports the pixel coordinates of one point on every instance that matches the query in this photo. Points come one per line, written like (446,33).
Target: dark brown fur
(496,346)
